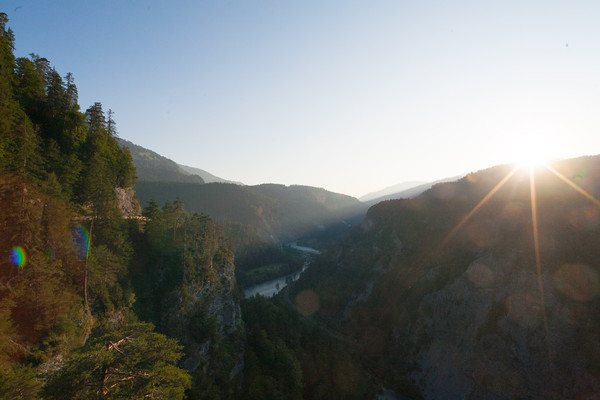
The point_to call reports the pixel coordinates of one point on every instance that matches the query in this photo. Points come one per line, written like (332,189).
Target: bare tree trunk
(85,266)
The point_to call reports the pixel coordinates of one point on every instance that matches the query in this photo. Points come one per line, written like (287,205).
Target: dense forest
(98,303)
(67,327)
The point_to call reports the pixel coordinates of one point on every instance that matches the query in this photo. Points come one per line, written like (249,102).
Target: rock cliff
(127,202)
(204,314)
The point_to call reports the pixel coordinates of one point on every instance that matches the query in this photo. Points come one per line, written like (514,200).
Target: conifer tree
(18,142)
(132,362)
(71,93)
(30,88)
(8,107)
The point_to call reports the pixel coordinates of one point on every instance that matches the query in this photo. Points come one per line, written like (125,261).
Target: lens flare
(307,302)
(577,281)
(18,256)
(80,241)
(480,274)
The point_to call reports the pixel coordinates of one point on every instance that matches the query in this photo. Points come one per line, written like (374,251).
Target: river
(272,287)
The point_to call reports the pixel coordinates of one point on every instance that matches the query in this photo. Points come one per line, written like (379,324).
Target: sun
(530,157)
(531,151)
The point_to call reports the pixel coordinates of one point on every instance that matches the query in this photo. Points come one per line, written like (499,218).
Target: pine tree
(132,362)
(111,126)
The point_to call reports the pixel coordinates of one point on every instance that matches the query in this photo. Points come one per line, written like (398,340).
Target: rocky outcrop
(127,202)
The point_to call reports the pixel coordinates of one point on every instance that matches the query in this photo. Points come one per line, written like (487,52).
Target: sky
(351,96)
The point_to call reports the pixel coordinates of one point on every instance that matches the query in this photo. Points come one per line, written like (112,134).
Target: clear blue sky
(349,96)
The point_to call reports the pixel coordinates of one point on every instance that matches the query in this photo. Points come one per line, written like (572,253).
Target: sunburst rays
(534,222)
(476,208)
(538,260)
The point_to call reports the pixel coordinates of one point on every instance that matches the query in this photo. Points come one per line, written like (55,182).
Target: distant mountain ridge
(153,167)
(205,175)
(390,190)
(278,212)
(408,193)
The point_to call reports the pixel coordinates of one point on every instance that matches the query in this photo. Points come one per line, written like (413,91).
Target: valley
(126,275)
(457,290)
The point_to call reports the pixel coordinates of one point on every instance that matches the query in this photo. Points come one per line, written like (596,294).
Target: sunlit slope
(487,286)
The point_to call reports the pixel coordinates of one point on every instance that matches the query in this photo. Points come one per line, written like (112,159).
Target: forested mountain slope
(486,287)
(152,167)
(72,265)
(277,212)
